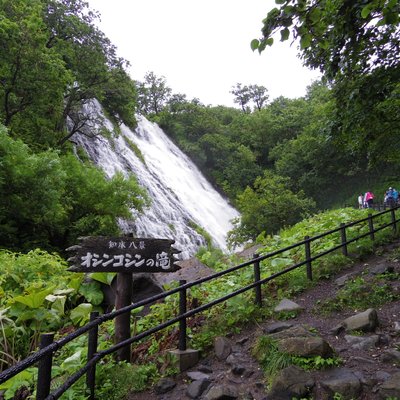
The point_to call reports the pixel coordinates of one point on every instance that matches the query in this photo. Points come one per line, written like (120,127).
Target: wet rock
(362,342)
(238,370)
(287,305)
(391,356)
(197,375)
(197,388)
(343,381)
(277,327)
(164,385)
(305,346)
(295,331)
(222,392)
(340,282)
(383,268)
(291,382)
(222,347)
(391,387)
(242,341)
(366,321)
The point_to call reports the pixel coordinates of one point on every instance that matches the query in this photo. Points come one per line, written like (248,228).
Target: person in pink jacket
(369,199)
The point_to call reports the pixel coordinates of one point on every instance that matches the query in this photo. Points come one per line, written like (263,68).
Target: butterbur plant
(39,295)
(7,345)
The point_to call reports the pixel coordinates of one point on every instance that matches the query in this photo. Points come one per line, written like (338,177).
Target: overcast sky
(202,48)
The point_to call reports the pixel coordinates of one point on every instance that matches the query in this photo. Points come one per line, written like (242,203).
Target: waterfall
(181,198)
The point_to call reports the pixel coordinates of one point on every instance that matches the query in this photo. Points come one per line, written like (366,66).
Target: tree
(153,93)
(96,69)
(242,96)
(120,97)
(54,62)
(259,95)
(367,116)
(355,44)
(342,37)
(231,165)
(268,207)
(49,200)
(32,76)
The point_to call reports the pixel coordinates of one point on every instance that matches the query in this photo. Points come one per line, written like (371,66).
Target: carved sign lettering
(123,254)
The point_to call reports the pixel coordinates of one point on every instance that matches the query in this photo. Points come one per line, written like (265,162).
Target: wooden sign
(123,254)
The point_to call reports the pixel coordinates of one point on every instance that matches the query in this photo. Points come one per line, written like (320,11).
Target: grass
(360,293)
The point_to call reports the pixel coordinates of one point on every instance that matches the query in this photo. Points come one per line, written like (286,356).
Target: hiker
(360,201)
(369,199)
(389,197)
(395,196)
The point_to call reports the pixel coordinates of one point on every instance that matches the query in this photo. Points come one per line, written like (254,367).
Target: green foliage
(49,200)
(201,231)
(355,45)
(118,380)
(212,257)
(359,294)
(317,362)
(267,208)
(133,146)
(367,107)
(231,315)
(54,61)
(255,93)
(120,97)
(33,75)
(270,358)
(371,30)
(38,295)
(153,93)
(26,379)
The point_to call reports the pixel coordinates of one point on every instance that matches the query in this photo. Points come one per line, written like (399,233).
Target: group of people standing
(366,200)
(391,198)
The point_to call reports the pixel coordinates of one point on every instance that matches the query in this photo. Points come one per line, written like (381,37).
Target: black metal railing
(48,347)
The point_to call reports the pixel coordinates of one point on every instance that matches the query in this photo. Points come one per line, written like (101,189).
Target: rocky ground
(370,360)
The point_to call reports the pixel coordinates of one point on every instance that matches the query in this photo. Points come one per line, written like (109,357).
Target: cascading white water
(180,195)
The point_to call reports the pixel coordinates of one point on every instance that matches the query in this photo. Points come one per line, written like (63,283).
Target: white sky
(202,48)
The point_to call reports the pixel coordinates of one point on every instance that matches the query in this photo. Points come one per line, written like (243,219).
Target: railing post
(257,277)
(123,297)
(343,238)
(92,349)
(371,227)
(44,368)
(308,256)
(392,212)
(182,322)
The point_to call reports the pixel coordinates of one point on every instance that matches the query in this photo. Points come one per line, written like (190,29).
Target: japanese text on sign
(123,244)
(123,254)
(93,260)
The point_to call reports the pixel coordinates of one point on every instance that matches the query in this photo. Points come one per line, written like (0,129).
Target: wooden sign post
(125,255)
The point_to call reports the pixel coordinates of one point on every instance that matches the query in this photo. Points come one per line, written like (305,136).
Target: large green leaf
(73,362)
(284,34)
(80,314)
(103,277)
(92,292)
(58,303)
(281,262)
(34,299)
